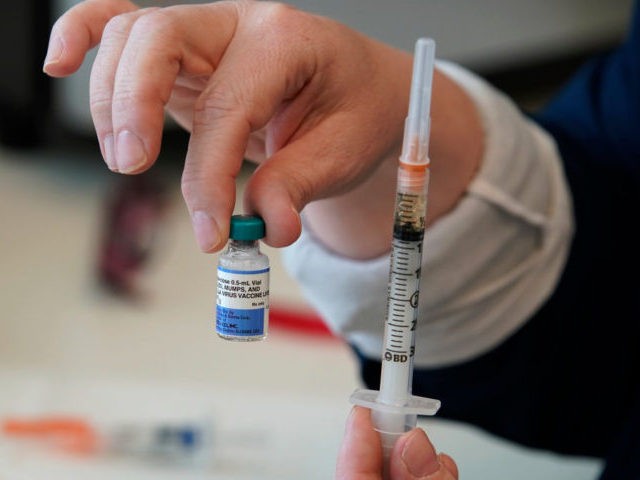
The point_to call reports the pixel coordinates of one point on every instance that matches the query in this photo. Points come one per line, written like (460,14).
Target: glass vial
(242,303)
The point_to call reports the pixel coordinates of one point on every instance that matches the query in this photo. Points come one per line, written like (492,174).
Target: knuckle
(278,20)
(100,102)
(156,21)
(242,7)
(215,104)
(128,96)
(118,26)
(276,12)
(303,189)
(286,29)
(189,187)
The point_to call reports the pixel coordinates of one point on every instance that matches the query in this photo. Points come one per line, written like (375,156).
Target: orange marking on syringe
(414,167)
(70,434)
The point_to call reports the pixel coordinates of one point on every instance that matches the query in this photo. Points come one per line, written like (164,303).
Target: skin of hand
(317,105)
(413,456)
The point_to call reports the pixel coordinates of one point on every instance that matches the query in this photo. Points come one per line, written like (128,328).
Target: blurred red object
(298,321)
(133,218)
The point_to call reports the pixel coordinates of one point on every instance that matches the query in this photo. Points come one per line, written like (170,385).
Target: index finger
(77,31)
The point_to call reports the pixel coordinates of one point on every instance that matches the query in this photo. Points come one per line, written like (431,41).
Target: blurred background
(106,305)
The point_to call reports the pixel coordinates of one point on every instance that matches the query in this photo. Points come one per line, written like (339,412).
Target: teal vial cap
(246,227)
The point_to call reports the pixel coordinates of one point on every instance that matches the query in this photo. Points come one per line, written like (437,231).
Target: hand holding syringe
(394,408)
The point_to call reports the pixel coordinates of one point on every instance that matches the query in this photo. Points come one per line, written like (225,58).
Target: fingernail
(130,153)
(206,231)
(109,153)
(54,52)
(418,455)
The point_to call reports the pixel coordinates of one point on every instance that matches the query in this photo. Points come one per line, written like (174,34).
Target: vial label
(242,304)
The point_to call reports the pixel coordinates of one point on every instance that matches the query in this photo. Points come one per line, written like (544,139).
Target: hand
(413,456)
(319,106)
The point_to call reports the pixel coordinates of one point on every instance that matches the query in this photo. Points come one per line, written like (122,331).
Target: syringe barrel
(391,426)
(411,203)
(404,285)
(413,179)
(399,337)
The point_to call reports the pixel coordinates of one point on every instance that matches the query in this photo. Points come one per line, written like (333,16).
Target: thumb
(414,458)
(360,456)
(314,166)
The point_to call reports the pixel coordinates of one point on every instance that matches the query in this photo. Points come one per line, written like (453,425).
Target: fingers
(287,181)
(257,69)
(360,456)
(78,31)
(414,458)
(449,465)
(141,56)
(250,83)
(339,141)
(328,160)
(213,161)
(101,87)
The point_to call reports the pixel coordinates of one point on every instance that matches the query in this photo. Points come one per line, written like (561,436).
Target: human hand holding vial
(242,304)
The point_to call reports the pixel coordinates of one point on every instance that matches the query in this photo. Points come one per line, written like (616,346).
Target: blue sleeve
(598,112)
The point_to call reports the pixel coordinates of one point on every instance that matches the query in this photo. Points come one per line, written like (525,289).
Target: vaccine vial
(242,302)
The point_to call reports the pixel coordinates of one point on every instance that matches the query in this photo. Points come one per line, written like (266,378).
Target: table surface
(66,347)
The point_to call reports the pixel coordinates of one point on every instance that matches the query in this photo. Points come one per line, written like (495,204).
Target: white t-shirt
(487,265)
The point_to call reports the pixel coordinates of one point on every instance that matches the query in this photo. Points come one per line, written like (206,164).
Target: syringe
(187,442)
(394,408)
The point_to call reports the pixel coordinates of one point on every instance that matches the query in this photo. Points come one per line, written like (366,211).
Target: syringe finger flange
(414,405)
